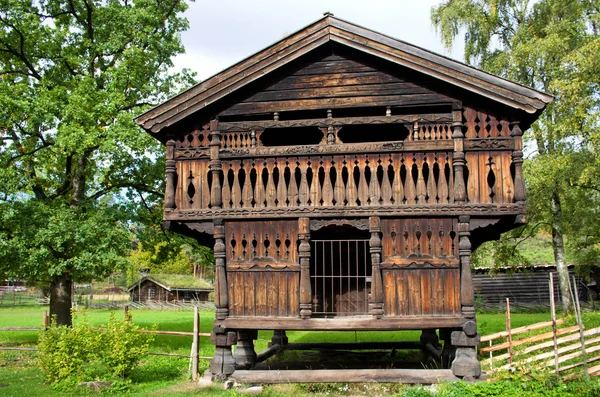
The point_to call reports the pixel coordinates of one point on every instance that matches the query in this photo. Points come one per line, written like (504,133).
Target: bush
(69,356)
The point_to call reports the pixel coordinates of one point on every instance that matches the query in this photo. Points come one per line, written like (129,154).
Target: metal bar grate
(340,277)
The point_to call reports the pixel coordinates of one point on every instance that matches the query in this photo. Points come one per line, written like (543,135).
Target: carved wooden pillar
(223,364)
(458,158)
(465,364)
(517,159)
(304,254)
(467,299)
(221,293)
(171,174)
(215,165)
(376,303)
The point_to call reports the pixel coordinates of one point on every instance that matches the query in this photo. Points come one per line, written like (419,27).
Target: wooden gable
(336,77)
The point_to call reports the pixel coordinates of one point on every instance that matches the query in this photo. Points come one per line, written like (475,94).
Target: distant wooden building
(343,178)
(170,287)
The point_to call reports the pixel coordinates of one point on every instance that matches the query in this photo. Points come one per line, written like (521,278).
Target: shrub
(69,356)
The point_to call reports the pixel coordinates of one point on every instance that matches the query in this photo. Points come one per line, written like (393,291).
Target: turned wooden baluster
(421,188)
(247,189)
(271,191)
(327,192)
(171,174)
(351,192)
(431,186)
(339,191)
(304,254)
(397,184)
(363,187)
(281,188)
(386,187)
(259,188)
(315,186)
(467,297)
(303,193)
(226,194)
(293,185)
(409,181)
(442,185)
(374,188)
(236,190)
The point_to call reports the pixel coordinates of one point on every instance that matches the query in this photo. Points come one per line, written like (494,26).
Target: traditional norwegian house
(343,178)
(169,288)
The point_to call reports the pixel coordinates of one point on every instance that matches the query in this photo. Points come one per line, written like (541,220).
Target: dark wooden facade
(344,178)
(150,290)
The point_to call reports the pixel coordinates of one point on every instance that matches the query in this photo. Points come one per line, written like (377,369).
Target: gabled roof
(331,29)
(172,282)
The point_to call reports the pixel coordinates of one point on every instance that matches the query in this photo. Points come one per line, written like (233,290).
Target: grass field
(160,375)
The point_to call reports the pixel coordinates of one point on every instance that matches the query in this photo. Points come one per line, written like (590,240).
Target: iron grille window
(340,277)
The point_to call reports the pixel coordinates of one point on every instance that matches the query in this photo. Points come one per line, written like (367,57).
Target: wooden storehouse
(169,288)
(343,178)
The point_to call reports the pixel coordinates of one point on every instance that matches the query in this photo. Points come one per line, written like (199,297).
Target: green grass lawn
(160,375)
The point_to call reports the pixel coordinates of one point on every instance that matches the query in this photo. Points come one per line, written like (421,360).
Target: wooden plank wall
(263,272)
(421,276)
(335,81)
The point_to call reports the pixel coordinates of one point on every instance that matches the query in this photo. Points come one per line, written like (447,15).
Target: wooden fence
(194,355)
(564,348)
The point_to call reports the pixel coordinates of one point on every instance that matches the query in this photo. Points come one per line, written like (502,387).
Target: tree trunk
(60,300)
(559,253)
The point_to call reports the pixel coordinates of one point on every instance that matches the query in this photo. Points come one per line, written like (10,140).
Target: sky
(223,32)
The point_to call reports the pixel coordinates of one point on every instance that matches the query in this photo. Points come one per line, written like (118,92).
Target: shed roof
(172,282)
(331,29)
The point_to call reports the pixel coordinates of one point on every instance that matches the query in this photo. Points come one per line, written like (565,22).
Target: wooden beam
(342,324)
(411,376)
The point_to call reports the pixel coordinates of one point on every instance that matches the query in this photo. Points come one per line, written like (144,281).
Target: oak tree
(73,74)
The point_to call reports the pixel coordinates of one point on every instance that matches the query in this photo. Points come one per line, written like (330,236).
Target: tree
(72,162)
(548,45)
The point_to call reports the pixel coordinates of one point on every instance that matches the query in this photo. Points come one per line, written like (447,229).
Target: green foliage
(72,77)
(70,355)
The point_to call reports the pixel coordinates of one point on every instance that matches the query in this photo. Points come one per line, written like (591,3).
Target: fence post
(553,312)
(45,320)
(195,344)
(510,352)
(580,322)
(125,312)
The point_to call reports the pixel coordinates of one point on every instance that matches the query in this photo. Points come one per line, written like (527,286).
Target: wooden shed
(169,288)
(343,178)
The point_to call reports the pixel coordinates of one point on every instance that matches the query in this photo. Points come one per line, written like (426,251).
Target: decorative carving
(339,122)
(489,144)
(360,224)
(392,210)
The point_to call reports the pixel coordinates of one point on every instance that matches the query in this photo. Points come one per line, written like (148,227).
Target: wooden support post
(376,303)
(221,290)
(245,356)
(304,254)
(553,314)
(215,165)
(580,322)
(517,159)
(195,344)
(467,295)
(508,331)
(125,312)
(171,174)
(458,156)
(223,363)
(279,338)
